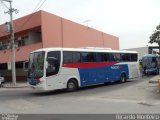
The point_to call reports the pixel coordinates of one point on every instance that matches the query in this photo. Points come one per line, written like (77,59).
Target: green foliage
(155,37)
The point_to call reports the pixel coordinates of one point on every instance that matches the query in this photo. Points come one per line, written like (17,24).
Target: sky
(132,21)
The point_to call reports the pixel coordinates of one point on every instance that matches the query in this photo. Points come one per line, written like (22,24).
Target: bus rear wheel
(123,78)
(72,85)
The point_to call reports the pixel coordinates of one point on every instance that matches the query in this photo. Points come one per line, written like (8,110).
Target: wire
(4,4)
(41,5)
(38,6)
(1,32)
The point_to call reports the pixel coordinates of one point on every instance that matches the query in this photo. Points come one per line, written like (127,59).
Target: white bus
(58,68)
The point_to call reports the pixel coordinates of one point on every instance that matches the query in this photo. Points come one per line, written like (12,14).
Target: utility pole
(11,10)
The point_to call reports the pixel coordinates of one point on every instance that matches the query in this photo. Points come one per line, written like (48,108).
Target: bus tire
(123,78)
(72,85)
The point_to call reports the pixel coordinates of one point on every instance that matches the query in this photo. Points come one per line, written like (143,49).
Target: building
(145,50)
(42,30)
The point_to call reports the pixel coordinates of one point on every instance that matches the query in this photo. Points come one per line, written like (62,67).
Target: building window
(3,66)
(23,41)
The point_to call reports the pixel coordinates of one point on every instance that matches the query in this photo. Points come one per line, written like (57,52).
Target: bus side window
(88,57)
(111,57)
(106,57)
(134,57)
(67,57)
(84,57)
(99,57)
(53,59)
(115,57)
(91,57)
(76,57)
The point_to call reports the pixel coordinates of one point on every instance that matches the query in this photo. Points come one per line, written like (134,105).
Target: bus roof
(84,50)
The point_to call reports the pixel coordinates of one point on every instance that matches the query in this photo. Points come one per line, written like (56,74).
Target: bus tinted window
(102,57)
(67,57)
(99,57)
(53,59)
(71,57)
(134,57)
(111,57)
(125,57)
(88,57)
(76,57)
(115,57)
(106,57)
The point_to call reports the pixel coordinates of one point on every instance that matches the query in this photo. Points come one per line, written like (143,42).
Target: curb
(25,86)
(154,80)
(16,86)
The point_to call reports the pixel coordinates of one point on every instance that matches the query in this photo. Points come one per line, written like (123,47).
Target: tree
(155,37)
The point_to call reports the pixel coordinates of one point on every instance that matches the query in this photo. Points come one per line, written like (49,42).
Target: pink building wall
(65,33)
(51,30)
(80,36)
(20,53)
(111,41)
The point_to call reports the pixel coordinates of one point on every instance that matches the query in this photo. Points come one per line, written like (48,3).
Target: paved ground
(135,96)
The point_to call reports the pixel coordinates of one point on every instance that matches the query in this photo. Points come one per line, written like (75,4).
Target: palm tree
(155,37)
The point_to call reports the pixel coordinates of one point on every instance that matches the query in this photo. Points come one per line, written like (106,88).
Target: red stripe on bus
(89,65)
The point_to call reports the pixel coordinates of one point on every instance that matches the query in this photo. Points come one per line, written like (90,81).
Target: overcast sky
(133,21)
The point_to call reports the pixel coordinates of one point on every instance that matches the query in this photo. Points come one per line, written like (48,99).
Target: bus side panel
(117,70)
(60,80)
(89,76)
(123,68)
(133,70)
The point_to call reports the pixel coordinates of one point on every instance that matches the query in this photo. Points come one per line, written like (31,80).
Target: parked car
(2,80)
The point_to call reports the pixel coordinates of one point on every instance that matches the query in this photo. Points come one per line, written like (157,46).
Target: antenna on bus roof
(96,48)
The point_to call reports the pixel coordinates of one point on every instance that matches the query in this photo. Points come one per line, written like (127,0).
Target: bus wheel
(123,78)
(72,85)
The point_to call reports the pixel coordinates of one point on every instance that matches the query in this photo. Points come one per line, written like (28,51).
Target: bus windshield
(36,65)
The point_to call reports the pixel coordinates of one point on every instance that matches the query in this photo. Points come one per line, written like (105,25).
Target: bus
(71,68)
(150,64)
